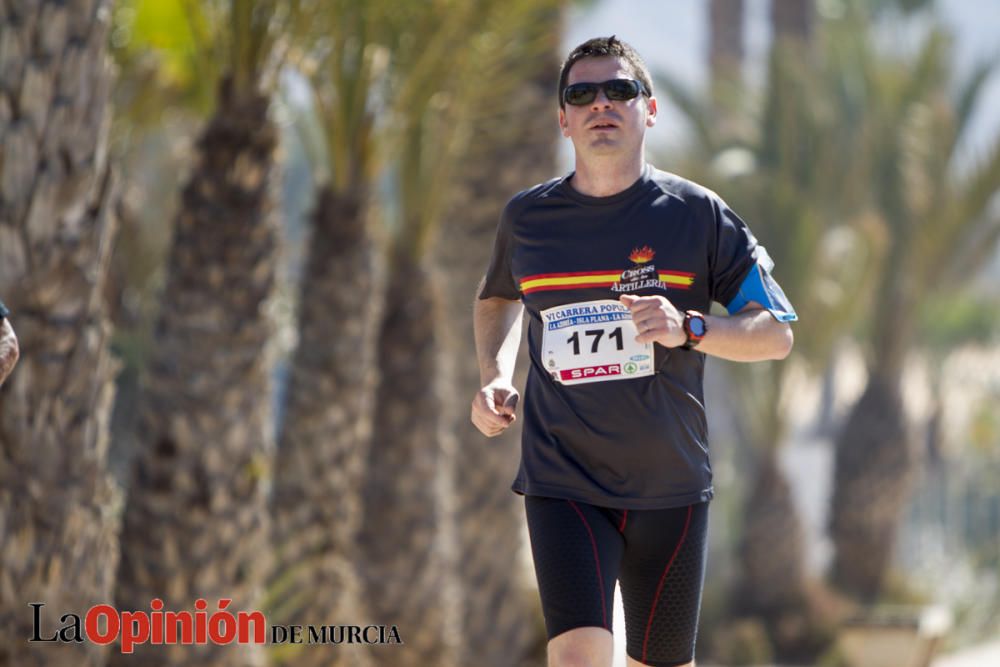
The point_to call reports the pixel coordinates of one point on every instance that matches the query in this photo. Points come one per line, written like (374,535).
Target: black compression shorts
(580,550)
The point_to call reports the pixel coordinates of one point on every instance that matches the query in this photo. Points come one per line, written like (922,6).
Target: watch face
(697,326)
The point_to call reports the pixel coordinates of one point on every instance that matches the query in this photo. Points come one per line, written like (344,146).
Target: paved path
(985,655)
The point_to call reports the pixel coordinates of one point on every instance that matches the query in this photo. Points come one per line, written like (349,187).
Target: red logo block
(590,372)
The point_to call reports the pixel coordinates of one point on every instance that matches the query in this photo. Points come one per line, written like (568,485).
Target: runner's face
(606,127)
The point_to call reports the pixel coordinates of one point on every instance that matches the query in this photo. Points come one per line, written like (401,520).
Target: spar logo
(591,372)
(103,625)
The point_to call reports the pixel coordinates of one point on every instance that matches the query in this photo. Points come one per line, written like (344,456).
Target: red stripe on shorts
(597,560)
(663,578)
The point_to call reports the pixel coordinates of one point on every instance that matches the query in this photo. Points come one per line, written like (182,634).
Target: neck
(606,176)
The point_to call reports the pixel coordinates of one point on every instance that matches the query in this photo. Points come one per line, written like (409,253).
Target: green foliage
(790,174)
(342,50)
(902,6)
(935,227)
(174,52)
(984,431)
(789,168)
(397,87)
(848,169)
(177,30)
(929,221)
(479,61)
(947,321)
(166,55)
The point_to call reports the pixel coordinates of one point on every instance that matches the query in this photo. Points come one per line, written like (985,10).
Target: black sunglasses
(618,90)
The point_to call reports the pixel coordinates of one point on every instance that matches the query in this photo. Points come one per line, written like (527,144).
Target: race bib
(593,341)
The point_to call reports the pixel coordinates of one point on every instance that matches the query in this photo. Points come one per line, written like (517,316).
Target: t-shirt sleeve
(499,276)
(741,269)
(734,254)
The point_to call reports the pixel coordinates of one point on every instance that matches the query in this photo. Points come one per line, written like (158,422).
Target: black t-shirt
(633,435)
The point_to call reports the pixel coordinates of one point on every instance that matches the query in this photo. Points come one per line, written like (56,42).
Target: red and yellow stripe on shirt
(581,279)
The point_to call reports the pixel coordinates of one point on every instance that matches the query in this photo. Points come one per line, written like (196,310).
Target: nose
(601,101)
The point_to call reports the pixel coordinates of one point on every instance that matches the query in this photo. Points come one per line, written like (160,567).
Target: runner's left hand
(657,320)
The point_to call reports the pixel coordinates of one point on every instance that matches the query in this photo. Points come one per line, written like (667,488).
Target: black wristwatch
(695,328)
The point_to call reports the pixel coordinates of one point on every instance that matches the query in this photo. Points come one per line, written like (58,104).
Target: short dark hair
(600,47)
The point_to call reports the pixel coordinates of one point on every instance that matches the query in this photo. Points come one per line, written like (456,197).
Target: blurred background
(240,241)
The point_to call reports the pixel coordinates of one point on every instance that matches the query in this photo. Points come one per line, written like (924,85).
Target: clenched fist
(493,408)
(657,320)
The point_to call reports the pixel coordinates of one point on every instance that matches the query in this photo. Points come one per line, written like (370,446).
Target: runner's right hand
(493,408)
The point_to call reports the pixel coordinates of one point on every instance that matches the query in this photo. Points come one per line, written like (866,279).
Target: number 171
(596,334)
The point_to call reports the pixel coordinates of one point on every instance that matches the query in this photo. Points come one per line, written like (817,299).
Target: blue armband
(759,286)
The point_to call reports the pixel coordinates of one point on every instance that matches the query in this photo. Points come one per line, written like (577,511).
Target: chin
(604,147)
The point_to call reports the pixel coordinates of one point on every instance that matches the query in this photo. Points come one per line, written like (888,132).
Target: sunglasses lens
(617,89)
(621,89)
(580,93)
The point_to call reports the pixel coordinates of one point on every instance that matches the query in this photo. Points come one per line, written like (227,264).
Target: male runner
(617,264)
(8,345)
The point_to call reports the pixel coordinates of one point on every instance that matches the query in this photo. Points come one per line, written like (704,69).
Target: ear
(651,112)
(563,125)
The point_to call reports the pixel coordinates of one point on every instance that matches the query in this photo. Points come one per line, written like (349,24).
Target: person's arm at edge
(497,325)
(9,351)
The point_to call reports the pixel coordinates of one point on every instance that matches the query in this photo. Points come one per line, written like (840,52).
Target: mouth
(604,125)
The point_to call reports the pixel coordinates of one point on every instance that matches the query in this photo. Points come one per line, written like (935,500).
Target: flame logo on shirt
(642,255)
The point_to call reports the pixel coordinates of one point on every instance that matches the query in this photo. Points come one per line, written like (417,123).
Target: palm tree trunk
(406,543)
(772,552)
(196,520)
(498,616)
(793,20)
(327,427)
(874,467)
(876,459)
(775,586)
(58,527)
(773,546)
(726,44)
(726,51)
